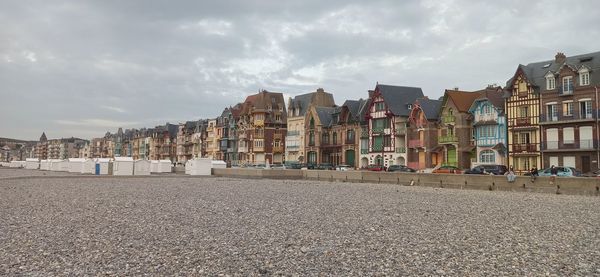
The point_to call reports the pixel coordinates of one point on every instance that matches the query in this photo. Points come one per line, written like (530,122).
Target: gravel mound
(211,226)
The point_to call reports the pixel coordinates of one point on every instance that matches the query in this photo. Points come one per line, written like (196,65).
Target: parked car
(562,171)
(344,167)
(400,168)
(374,167)
(447,169)
(488,169)
(294,166)
(278,166)
(325,166)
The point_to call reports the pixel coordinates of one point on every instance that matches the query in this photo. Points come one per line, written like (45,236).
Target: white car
(343,167)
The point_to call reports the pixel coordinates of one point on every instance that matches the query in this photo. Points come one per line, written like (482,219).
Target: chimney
(426,97)
(320,90)
(371,92)
(560,58)
(455,88)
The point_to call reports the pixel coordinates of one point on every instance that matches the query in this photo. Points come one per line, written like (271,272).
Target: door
(585,164)
(451,158)
(421,160)
(350,157)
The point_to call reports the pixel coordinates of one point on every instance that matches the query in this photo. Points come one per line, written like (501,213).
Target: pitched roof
(318,98)
(492,95)
(430,107)
(397,98)
(462,99)
(325,115)
(535,72)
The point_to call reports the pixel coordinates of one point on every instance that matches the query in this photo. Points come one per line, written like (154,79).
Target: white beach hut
(154,166)
(103,165)
(200,166)
(164,166)
(88,166)
(218,164)
(32,163)
(141,167)
(17,164)
(55,164)
(64,165)
(123,166)
(76,165)
(44,165)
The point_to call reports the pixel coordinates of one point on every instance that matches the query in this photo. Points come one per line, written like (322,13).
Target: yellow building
(522,108)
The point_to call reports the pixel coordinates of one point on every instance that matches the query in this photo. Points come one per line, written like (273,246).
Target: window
(311,138)
(379,106)
(325,138)
(522,86)
(550,82)
(568,135)
(585,109)
(584,77)
(312,123)
(487,109)
(524,138)
(568,108)
(552,112)
(524,111)
(487,156)
(350,135)
(387,141)
(277,117)
(567,85)
(334,137)
(258,143)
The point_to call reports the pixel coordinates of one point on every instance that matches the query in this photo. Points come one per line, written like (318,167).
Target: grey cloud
(76,68)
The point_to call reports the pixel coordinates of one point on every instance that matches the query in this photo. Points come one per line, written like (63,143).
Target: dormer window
(409,106)
(584,77)
(550,81)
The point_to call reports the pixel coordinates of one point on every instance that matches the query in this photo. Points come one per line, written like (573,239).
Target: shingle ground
(210,226)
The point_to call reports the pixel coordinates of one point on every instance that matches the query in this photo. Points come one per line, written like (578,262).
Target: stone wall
(562,185)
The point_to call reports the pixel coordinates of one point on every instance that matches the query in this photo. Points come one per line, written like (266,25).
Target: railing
(292,147)
(448,119)
(258,149)
(277,149)
(522,94)
(377,148)
(486,117)
(277,136)
(349,141)
(364,151)
(400,149)
(569,144)
(448,139)
(258,135)
(242,149)
(377,130)
(524,147)
(259,122)
(576,116)
(400,131)
(230,150)
(522,121)
(563,92)
(415,143)
(293,133)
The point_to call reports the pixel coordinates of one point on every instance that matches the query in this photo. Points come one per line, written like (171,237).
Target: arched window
(487,157)
(350,136)
(311,138)
(450,112)
(334,137)
(312,123)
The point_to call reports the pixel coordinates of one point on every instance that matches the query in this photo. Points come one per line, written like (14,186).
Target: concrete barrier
(561,185)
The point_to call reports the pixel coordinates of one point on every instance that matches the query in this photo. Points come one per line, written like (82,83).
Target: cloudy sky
(81,68)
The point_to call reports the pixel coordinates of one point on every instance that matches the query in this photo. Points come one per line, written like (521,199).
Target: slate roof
(492,95)
(355,107)
(303,101)
(536,72)
(397,98)
(325,115)
(430,107)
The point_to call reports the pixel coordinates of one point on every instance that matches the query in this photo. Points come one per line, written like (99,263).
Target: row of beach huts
(118,166)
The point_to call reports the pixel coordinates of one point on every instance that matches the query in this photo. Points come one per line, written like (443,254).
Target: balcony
(416,143)
(277,149)
(258,149)
(258,136)
(567,92)
(242,149)
(558,146)
(242,135)
(278,136)
(292,147)
(561,118)
(293,133)
(364,151)
(401,150)
(349,141)
(522,94)
(524,148)
(523,121)
(378,130)
(451,139)
(400,131)
(377,148)
(448,119)
(259,122)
